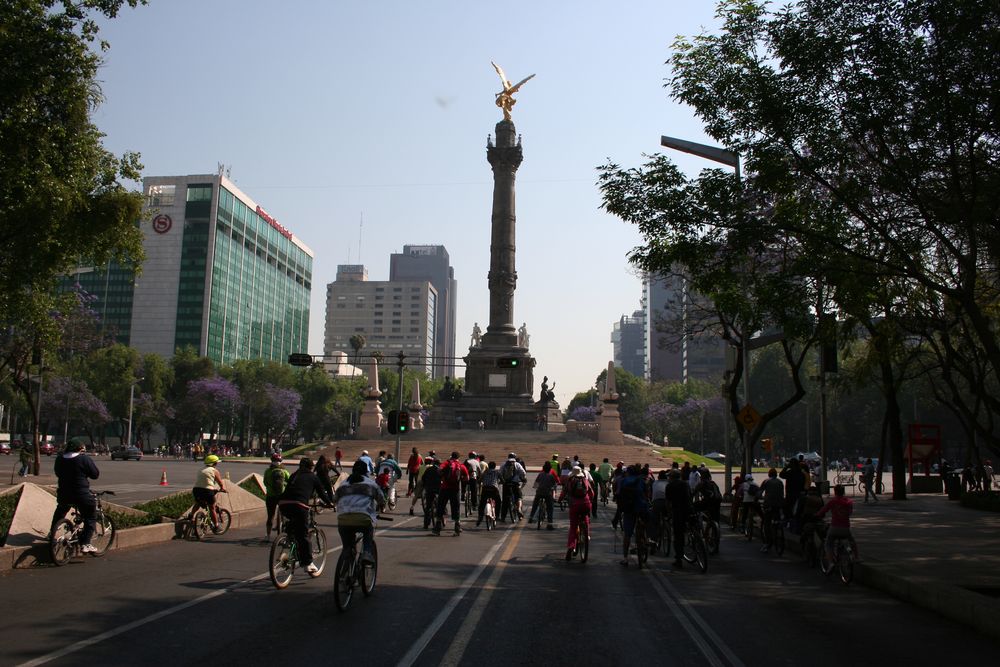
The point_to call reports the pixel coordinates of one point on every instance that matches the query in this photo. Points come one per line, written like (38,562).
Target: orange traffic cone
(163,478)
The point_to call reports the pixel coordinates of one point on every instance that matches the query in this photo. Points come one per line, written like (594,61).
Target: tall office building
(393,316)
(629,340)
(431,263)
(220,274)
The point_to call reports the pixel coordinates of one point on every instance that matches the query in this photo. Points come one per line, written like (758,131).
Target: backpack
(508,470)
(277,481)
(455,472)
(752,491)
(710,491)
(627,496)
(431,479)
(578,487)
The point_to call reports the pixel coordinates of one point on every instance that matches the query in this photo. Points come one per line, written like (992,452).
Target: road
(481,598)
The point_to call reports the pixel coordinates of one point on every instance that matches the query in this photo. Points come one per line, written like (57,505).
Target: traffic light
(403,422)
(508,362)
(392,421)
(300,359)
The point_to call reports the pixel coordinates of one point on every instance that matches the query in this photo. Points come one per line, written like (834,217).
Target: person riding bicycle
(453,475)
(658,498)
(294,507)
(581,498)
(74,470)
(413,466)
(275,480)
(472,465)
(678,494)
(359,500)
(840,507)
(749,492)
(489,488)
(773,492)
(388,472)
(367,460)
(707,497)
(430,486)
(207,484)
(545,484)
(604,472)
(512,475)
(632,503)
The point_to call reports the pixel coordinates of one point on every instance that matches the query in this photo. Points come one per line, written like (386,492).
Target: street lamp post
(730,159)
(131,400)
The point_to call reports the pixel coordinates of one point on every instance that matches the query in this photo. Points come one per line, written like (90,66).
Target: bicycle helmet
(212,459)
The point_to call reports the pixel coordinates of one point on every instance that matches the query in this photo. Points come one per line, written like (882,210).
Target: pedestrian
(868,479)
(987,476)
(338,456)
(795,487)
(26,460)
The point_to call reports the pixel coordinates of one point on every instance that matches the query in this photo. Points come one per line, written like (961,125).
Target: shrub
(123,520)
(170,506)
(250,484)
(8,504)
(981,500)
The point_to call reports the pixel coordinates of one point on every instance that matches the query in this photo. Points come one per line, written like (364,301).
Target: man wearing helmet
(208,483)
(275,481)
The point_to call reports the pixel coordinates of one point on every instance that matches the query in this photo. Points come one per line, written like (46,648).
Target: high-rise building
(431,263)
(220,274)
(629,340)
(392,316)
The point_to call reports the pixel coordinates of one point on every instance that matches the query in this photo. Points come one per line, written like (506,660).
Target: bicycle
(582,548)
(750,523)
(284,555)
(641,543)
(777,536)
(695,550)
(863,487)
(202,524)
(843,560)
(64,540)
(807,541)
(352,571)
(710,532)
(490,513)
(666,540)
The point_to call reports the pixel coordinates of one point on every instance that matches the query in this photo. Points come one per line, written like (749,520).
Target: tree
(71,400)
(210,403)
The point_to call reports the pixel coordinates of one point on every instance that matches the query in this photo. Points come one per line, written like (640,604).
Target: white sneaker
(88,548)
(311,568)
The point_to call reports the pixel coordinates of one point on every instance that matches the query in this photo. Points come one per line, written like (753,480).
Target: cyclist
(545,484)
(294,506)
(358,503)
(605,470)
(490,488)
(513,476)
(430,483)
(207,484)
(472,465)
(581,498)
(74,470)
(388,472)
(367,460)
(678,496)
(750,495)
(323,469)
(632,503)
(275,480)
(617,475)
(840,507)
(453,475)
(659,504)
(413,469)
(773,491)
(708,497)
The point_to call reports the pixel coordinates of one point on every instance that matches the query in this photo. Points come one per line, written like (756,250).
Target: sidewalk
(930,552)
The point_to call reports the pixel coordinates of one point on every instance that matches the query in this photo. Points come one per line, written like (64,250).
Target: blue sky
(330,111)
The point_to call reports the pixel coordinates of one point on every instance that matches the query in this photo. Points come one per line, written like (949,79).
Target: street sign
(300,359)
(748,417)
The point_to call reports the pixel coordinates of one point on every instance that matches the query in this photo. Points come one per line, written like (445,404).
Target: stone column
(505,157)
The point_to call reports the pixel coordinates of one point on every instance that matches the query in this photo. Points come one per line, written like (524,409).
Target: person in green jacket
(275,481)
(26,459)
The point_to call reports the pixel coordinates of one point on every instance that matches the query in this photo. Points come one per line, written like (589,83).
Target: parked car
(47,448)
(126,453)
(5,448)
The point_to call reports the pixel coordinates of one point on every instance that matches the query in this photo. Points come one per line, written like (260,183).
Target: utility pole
(399,407)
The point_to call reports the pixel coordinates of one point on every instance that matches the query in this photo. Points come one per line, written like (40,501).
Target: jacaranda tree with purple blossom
(209,407)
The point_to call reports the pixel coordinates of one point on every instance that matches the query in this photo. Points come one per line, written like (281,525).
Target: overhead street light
(131,400)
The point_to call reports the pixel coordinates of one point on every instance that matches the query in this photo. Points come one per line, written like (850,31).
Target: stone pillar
(504,157)
(370,423)
(609,430)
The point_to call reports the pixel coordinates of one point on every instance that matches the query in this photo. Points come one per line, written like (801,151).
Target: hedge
(981,500)
(170,506)
(8,504)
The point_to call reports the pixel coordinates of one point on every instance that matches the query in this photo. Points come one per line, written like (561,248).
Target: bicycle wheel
(779,538)
(467,500)
(666,537)
(343,580)
(641,545)
(825,564)
(583,545)
(225,519)
(201,525)
(700,551)
(845,564)
(104,533)
(491,514)
(369,573)
(317,541)
(689,536)
(281,562)
(62,542)
(712,536)
(748,527)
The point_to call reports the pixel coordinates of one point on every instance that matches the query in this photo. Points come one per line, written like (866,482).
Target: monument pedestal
(550,412)
(610,425)
(370,423)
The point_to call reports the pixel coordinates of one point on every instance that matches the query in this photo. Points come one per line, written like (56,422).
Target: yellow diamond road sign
(748,417)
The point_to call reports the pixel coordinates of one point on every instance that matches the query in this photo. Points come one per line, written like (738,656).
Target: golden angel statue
(505,98)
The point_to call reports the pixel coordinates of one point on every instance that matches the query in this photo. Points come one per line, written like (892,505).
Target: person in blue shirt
(633,502)
(367,461)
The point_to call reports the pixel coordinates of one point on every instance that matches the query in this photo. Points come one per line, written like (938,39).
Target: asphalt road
(481,598)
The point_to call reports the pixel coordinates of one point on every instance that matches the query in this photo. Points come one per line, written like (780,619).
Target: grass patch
(124,520)
(8,504)
(981,500)
(295,451)
(250,484)
(682,455)
(170,506)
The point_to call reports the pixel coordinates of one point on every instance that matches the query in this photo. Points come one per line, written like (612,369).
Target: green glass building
(221,275)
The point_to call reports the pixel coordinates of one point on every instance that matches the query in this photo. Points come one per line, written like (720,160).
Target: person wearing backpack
(453,475)
(489,488)
(275,481)
(472,465)
(428,485)
(512,476)
(581,499)
(632,503)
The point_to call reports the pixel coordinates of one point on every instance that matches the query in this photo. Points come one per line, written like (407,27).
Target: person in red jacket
(580,492)
(840,507)
(412,468)
(453,475)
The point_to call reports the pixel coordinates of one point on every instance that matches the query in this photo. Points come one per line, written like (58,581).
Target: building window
(378,321)
(397,298)
(199,193)
(161,195)
(396,313)
(395,321)
(359,329)
(397,289)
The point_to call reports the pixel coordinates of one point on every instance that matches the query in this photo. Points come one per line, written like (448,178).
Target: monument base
(610,425)
(499,371)
(370,423)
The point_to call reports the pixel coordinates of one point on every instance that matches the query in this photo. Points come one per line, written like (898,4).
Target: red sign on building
(274,223)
